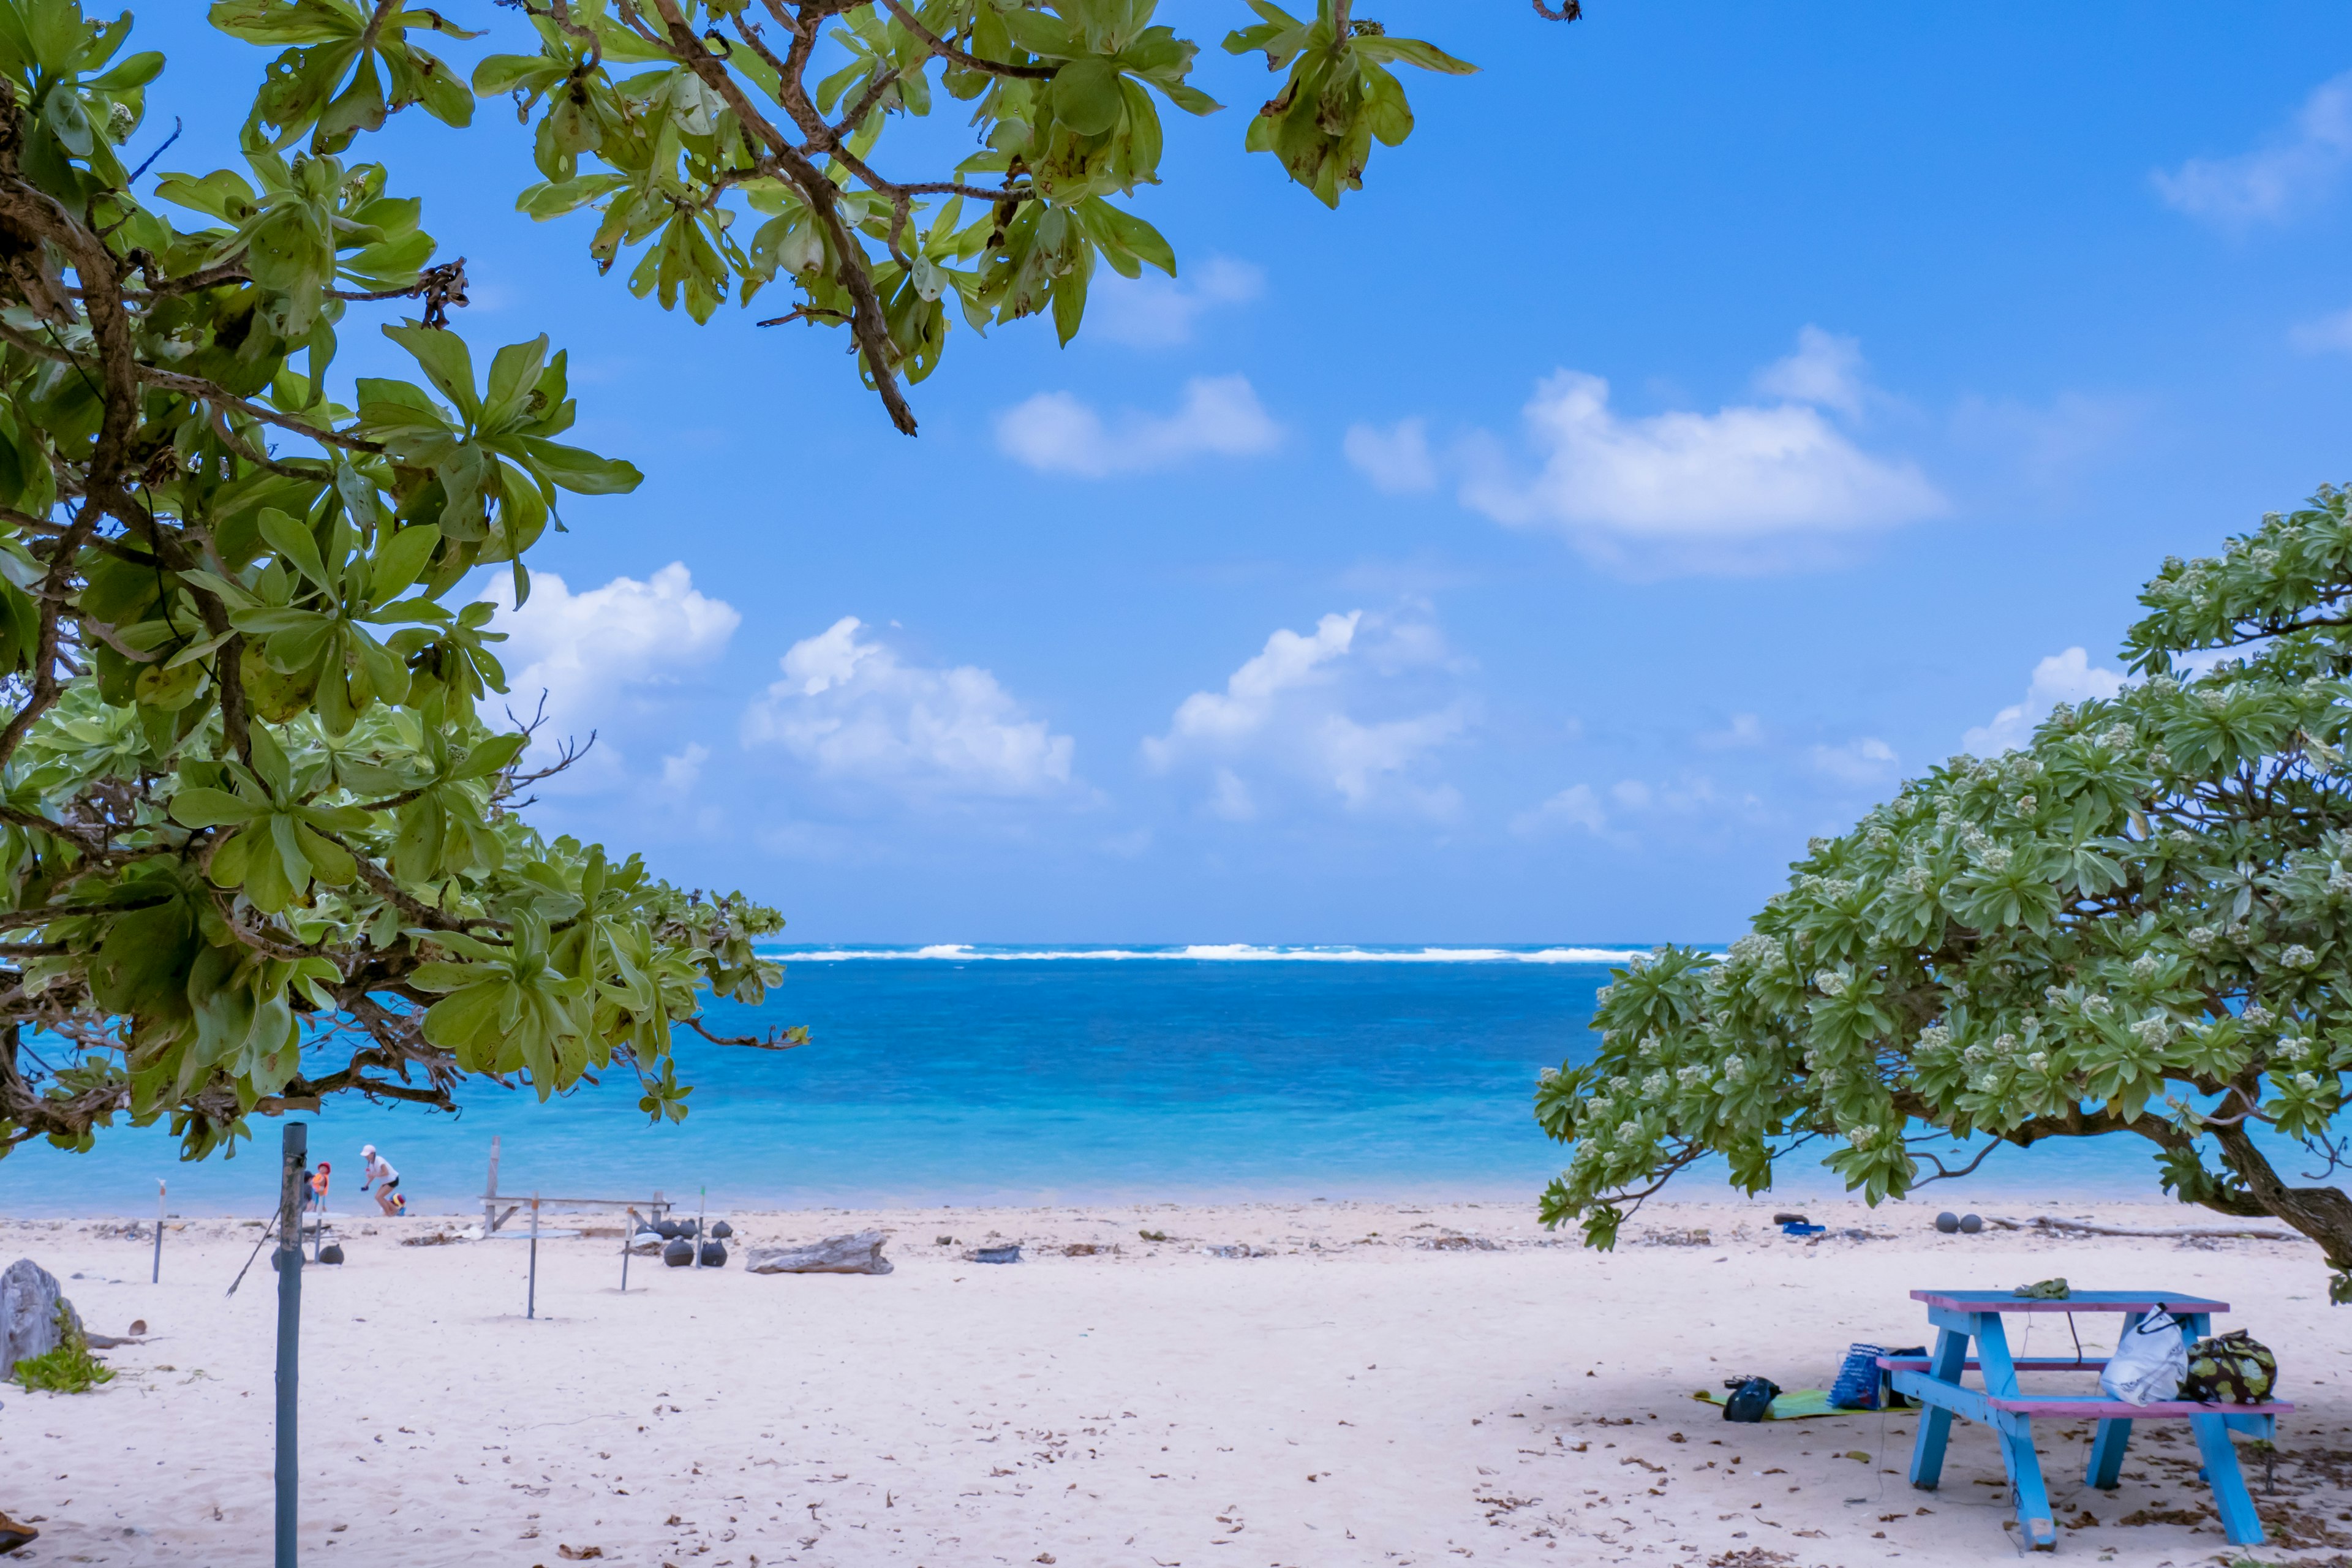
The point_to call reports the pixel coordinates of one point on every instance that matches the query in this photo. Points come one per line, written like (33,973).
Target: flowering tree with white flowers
(2139,923)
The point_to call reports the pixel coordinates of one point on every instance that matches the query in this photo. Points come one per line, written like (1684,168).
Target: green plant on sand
(2138,922)
(67,1366)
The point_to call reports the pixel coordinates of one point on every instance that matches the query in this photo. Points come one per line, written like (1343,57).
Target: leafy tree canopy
(2141,922)
(258,844)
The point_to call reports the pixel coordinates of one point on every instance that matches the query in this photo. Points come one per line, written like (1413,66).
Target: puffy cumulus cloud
(1865,760)
(1154,311)
(1356,711)
(1396,460)
(1826,370)
(607,657)
(1709,488)
(2068,677)
(1055,433)
(2271,182)
(852,712)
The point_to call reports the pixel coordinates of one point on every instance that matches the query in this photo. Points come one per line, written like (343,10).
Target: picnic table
(1962,1317)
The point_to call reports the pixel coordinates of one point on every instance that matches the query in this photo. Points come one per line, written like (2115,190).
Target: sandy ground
(1386,1385)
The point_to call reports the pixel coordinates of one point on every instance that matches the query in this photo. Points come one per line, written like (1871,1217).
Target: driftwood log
(29,1299)
(858,1254)
(2219,1233)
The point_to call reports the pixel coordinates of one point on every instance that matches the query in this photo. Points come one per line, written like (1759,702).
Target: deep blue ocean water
(964,1076)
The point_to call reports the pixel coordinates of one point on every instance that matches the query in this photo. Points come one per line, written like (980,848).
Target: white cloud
(854,712)
(605,655)
(1826,370)
(1742,475)
(1057,434)
(1575,806)
(1294,710)
(1155,311)
(1631,793)
(1397,459)
(1745,730)
(2068,677)
(2331,333)
(1579,806)
(1863,761)
(683,770)
(2270,184)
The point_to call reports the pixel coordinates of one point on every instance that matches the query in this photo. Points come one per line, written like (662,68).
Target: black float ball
(667,1229)
(331,1253)
(678,1253)
(713,1255)
(1948,1222)
(722,1230)
(1970,1224)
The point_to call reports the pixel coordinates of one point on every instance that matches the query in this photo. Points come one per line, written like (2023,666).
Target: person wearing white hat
(388,1196)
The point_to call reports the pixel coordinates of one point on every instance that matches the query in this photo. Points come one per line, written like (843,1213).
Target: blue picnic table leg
(1935,1422)
(2230,1495)
(2107,1453)
(2017,1454)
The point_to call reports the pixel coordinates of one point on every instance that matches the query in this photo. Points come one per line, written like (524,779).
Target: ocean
(1062,1075)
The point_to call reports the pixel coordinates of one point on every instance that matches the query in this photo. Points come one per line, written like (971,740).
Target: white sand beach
(1385,1384)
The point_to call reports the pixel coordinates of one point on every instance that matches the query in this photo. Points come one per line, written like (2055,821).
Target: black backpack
(1751,1398)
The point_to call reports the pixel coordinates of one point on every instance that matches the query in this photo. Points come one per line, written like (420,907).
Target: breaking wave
(1216,953)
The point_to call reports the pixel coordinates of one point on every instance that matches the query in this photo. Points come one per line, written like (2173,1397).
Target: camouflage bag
(2230,1369)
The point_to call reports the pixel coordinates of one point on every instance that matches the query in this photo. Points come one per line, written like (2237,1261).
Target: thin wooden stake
(157,1277)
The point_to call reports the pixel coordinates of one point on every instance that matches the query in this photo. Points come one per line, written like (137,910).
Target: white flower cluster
(1862,1137)
(1830,983)
(2258,1016)
(2201,938)
(2120,736)
(2153,1031)
(2098,1006)
(2298,956)
(1935,1037)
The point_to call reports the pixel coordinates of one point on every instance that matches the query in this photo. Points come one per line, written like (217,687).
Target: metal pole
(628,1235)
(490,1193)
(530,1307)
(295,1159)
(700,1229)
(157,1278)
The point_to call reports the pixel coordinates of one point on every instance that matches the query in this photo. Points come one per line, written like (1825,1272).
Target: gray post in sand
(157,1278)
(295,1160)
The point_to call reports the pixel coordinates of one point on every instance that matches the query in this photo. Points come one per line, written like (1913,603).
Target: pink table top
(2080,1301)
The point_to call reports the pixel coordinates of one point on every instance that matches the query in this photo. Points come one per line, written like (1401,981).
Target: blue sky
(1712,414)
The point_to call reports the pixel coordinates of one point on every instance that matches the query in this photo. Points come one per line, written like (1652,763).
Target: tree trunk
(2323,1213)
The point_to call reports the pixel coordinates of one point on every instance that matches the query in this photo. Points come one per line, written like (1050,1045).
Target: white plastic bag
(2149,1362)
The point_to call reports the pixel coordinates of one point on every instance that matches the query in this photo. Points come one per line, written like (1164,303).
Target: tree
(2140,922)
(258,842)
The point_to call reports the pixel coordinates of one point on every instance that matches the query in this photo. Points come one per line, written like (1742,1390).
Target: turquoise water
(961,1075)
